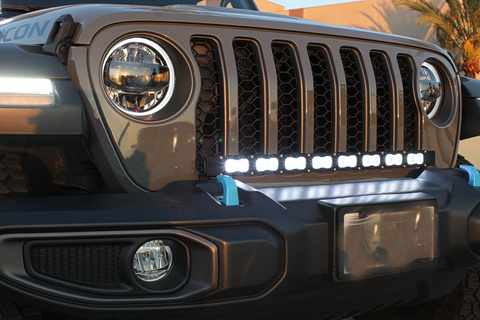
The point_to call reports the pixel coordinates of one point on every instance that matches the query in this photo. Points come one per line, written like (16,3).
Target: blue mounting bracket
(473,175)
(230,191)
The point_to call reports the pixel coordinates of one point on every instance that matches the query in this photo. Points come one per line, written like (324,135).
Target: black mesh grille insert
(209,111)
(384,102)
(93,264)
(409,106)
(284,58)
(250,93)
(355,100)
(319,61)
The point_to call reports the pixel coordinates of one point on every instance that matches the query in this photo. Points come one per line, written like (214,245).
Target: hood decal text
(24,31)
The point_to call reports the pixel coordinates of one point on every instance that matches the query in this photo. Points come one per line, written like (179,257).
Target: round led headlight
(431,89)
(138,77)
(153,261)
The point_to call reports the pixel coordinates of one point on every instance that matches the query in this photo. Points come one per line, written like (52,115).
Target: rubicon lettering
(24,31)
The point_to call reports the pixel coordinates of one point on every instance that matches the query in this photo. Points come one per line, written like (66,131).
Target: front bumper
(273,254)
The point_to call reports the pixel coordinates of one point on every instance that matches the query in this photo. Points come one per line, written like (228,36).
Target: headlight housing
(138,77)
(431,89)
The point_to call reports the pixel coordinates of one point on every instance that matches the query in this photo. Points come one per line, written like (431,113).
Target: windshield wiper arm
(11,7)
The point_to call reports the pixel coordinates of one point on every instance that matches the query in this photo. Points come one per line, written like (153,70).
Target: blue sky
(294,4)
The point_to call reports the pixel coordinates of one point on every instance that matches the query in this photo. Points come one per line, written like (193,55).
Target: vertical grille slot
(288,99)
(355,100)
(250,102)
(323,137)
(384,101)
(410,141)
(210,110)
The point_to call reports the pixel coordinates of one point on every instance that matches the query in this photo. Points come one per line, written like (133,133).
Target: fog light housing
(153,261)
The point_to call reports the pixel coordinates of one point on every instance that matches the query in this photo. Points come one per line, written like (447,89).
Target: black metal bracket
(58,42)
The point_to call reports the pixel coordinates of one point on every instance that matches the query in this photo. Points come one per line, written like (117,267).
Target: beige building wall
(376,15)
(268,6)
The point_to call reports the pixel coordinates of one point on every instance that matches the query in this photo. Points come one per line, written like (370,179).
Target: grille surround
(343,121)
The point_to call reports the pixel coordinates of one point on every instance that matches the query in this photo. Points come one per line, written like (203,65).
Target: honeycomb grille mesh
(250,104)
(384,103)
(410,141)
(355,100)
(323,137)
(209,111)
(287,86)
(93,264)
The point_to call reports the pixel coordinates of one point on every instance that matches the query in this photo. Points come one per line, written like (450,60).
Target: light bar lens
(263,164)
(26,92)
(415,158)
(232,165)
(347,161)
(322,162)
(299,163)
(373,160)
(394,159)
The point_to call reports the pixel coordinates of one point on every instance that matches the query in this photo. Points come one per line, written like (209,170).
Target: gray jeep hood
(34,28)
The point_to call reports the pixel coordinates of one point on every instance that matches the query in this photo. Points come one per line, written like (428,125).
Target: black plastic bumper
(272,255)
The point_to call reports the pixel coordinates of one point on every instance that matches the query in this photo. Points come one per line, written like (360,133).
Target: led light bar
(26,92)
(298,163)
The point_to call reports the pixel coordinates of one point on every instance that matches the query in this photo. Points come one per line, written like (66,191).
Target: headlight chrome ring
(138,77)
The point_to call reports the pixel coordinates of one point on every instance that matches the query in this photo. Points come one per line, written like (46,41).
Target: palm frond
(458,27)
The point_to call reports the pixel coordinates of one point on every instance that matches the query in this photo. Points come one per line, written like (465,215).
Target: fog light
(153,261)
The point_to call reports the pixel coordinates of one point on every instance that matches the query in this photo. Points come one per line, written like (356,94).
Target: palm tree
(458,28)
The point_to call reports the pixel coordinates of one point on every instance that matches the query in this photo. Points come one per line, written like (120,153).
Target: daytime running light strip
(26,92)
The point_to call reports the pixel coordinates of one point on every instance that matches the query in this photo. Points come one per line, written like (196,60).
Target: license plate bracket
(373,238)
